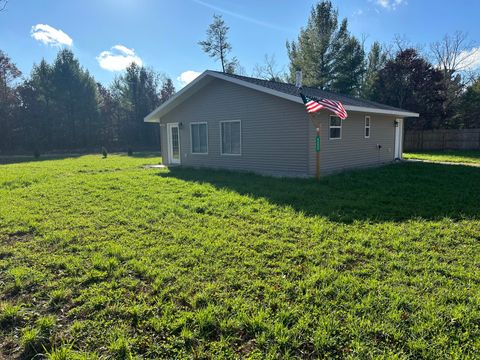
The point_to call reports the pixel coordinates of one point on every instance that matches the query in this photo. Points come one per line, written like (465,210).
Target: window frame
(191,137)
(369,127)
(221,137)
(330,127)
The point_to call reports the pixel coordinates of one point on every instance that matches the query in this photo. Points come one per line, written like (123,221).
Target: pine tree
(217,46)
(8,100)
(329,57)
(313,52)
(375,61)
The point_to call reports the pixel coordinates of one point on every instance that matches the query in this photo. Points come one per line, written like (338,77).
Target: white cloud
(118,58)
(471,58)
(390,4)
(358,12)
(187,77)
(50,36)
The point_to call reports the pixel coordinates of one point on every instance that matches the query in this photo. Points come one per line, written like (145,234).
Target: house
(241,123)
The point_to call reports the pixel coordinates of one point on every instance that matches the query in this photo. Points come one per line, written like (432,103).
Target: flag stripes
(313,105)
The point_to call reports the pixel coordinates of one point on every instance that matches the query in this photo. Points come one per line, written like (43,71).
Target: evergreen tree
(348,67)
(468,109)
(75,94)
(329,57)
(8,100)
(138,92)
(167,90)
(217,46)
(375,61)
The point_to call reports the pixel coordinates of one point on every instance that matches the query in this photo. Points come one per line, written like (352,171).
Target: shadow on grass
(15,159)
(391,193)
(142,154)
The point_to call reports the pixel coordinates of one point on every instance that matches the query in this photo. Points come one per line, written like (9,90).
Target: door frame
(398,136)
(170,145)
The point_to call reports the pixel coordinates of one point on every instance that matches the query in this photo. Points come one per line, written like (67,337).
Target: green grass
(454,156)
(100,258)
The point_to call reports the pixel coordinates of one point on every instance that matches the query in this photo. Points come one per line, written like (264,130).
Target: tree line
(60,106)
(433,82)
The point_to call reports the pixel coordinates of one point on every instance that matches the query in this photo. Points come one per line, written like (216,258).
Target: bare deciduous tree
(3,4)
(269,70)
(454,53)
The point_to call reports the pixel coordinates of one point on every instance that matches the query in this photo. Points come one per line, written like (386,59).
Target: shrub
(104,152)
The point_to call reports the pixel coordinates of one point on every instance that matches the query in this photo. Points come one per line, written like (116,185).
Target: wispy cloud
(50,36)
(118,58)
(358,12)
(243,17)
(187,77)
(471,58)
(390,4)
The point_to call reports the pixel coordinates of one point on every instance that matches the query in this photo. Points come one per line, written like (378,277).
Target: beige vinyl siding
(353,150)
(277,137)
(273,130)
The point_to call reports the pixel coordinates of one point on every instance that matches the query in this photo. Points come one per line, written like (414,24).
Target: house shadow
(396,192)
(141,154)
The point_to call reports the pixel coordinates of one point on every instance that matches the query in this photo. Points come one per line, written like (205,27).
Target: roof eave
(381,111)
(154,116)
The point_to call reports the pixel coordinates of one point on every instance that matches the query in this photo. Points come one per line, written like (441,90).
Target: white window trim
(221,140)
(334,127)
(369,127)
(191,138)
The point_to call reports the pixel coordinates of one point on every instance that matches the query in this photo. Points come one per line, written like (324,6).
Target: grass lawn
(102,258)
(454,156)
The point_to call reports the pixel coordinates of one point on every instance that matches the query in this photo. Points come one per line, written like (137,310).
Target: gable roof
(283,90)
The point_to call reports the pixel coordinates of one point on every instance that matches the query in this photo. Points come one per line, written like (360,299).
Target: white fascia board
(381,111)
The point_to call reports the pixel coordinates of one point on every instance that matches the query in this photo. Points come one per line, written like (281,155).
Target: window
(199,138)
(367,127)
(335,127)
(230,135)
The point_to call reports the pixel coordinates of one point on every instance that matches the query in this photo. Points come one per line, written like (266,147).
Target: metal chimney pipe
(298,78)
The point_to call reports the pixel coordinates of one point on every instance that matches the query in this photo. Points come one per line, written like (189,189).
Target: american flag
(313,105)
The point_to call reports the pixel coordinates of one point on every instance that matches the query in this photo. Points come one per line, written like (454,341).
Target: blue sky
(106,34)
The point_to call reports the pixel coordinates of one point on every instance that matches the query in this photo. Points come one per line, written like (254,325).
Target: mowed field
(101,258)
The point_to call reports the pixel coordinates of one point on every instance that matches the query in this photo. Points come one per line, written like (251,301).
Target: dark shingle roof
(293,90)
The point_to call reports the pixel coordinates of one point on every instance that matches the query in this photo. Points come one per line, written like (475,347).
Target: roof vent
(298,78)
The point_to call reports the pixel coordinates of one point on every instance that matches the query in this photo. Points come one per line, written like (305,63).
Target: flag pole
(317,126)
(313,105)
(318,152)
